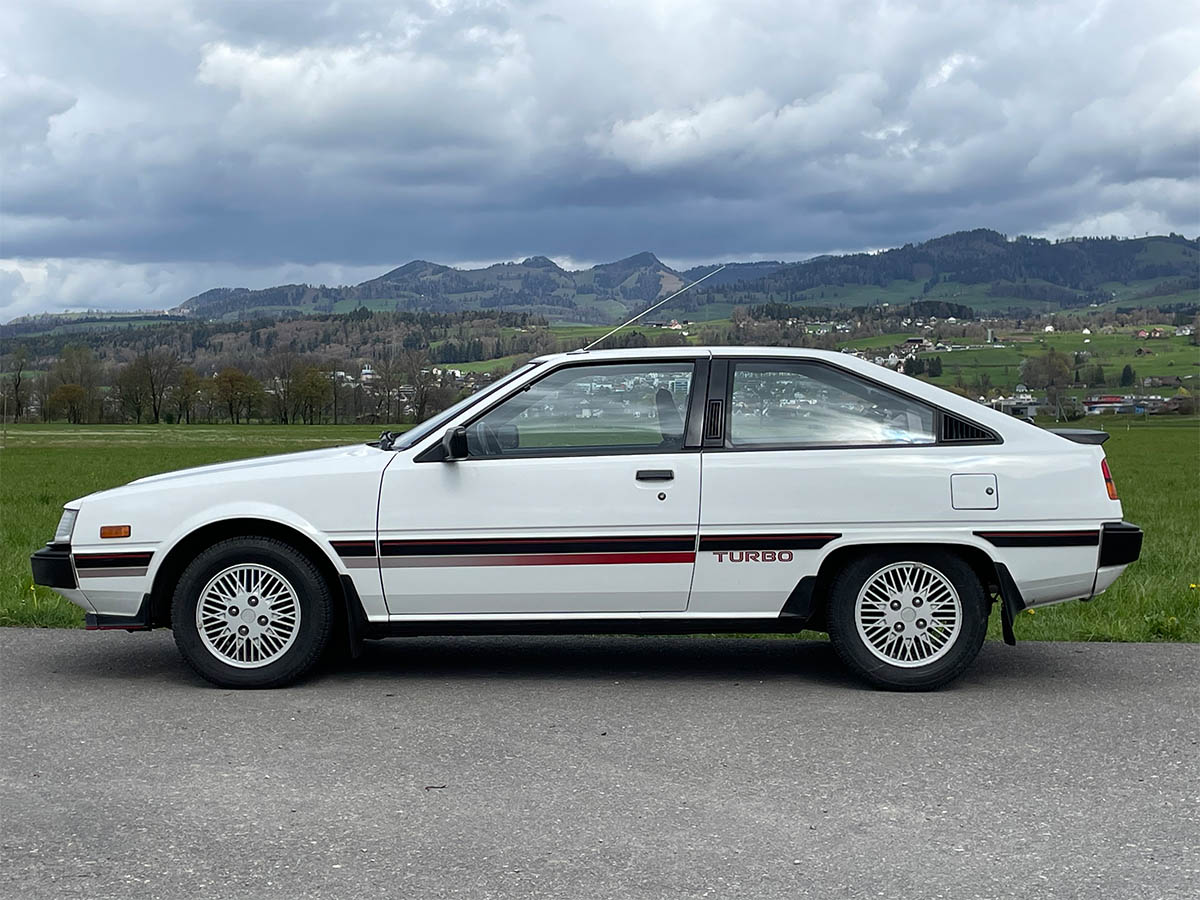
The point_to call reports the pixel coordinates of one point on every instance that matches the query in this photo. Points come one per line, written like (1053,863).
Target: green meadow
(1156,465)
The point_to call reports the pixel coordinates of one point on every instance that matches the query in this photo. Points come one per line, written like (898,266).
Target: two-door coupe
(655,490)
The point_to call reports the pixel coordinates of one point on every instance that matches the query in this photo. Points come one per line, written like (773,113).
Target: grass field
(1156,465)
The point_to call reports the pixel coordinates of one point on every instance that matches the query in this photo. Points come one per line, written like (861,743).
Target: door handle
(655,475)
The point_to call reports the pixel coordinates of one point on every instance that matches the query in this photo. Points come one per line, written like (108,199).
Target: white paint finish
(1105,577)
(746,588)
(1048,575)
(554,497)
(317,492)
(971,491)
(79,598)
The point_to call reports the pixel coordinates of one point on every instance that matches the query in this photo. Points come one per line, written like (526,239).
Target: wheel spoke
(908,614)
(248,615)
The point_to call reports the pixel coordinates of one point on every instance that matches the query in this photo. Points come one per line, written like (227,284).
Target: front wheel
(908,621)
(251,612)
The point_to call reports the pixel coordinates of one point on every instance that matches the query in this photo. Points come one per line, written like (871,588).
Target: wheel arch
(980,561)
(168,572)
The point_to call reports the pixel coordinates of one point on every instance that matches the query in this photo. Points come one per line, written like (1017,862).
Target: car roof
(635,353)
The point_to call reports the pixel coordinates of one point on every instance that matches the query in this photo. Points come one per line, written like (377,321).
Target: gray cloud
(153,150)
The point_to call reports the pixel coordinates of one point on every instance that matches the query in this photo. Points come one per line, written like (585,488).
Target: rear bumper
(1120,544)
(52,567)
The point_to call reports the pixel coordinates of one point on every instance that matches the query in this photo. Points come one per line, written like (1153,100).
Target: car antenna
(649,309)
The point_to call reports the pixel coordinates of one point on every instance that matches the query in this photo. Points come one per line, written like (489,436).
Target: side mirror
(454,442)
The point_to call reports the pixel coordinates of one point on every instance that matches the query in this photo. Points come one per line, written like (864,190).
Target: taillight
(1108,482)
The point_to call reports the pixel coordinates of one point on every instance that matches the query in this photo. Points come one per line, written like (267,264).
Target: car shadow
(153,657)
(596,658)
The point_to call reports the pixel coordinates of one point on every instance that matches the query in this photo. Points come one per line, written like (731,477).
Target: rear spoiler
(1081,435)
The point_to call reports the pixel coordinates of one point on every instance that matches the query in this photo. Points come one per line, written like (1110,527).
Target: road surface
(597,767)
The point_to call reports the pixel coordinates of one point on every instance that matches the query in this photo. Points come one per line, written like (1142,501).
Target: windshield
(429,426)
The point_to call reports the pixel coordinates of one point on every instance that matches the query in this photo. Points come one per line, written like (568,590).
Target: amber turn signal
(114,531)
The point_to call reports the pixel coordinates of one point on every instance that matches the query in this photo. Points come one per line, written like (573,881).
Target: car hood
(304,457)
(267,465)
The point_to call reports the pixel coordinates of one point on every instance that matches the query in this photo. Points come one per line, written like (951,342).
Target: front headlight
(62,534)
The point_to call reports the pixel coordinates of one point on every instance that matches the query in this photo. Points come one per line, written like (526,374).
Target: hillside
(982,269)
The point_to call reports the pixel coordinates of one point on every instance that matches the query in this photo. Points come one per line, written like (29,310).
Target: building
(1021,405)
(1128,405)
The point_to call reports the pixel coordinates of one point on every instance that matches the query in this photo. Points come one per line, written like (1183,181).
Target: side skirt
(781,625)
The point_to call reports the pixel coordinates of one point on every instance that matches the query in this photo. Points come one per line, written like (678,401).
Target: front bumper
(52,567)
(1120,544)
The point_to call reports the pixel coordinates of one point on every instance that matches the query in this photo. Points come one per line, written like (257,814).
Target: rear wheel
(912,620)
(251,612)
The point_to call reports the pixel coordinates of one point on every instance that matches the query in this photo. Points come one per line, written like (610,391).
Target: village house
(1128,405)
(1021,405)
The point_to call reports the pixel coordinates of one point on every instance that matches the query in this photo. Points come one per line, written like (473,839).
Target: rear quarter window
(782,404)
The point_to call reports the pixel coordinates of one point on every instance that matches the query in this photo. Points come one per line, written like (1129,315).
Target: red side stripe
(548,559)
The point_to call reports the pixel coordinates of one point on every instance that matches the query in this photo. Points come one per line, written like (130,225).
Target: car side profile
(659,491)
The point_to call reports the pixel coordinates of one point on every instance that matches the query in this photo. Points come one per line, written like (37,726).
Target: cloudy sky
(151,150)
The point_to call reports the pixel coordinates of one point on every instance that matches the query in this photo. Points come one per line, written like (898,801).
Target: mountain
(982,269)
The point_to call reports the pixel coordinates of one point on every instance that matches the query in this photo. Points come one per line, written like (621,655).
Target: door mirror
(454,442)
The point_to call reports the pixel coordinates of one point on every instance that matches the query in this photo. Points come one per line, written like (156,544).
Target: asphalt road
(597,767)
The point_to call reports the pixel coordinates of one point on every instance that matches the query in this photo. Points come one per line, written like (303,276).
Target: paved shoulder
(597,767)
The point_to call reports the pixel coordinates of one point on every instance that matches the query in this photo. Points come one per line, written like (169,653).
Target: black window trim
(435,453)
(938,412)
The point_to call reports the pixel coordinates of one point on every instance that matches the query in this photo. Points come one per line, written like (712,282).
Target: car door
(579,495)
(800,454)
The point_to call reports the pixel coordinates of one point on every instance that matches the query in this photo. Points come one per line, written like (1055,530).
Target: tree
(160,369)
(18,386)
(133,389)
(71,400)
(427,390)
(283,368)
(1050,370)
(77,365)
(312,391)
(187,390)
(935,367)
(1128,376)
(387,377)
(237,392)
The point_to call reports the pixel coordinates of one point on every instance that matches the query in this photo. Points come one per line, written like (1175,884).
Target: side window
(590,410)
(799,404)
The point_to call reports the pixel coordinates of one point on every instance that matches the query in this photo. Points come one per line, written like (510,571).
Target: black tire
(312,594)
(854,649)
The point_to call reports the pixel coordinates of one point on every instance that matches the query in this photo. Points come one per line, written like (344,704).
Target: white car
(658,491)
